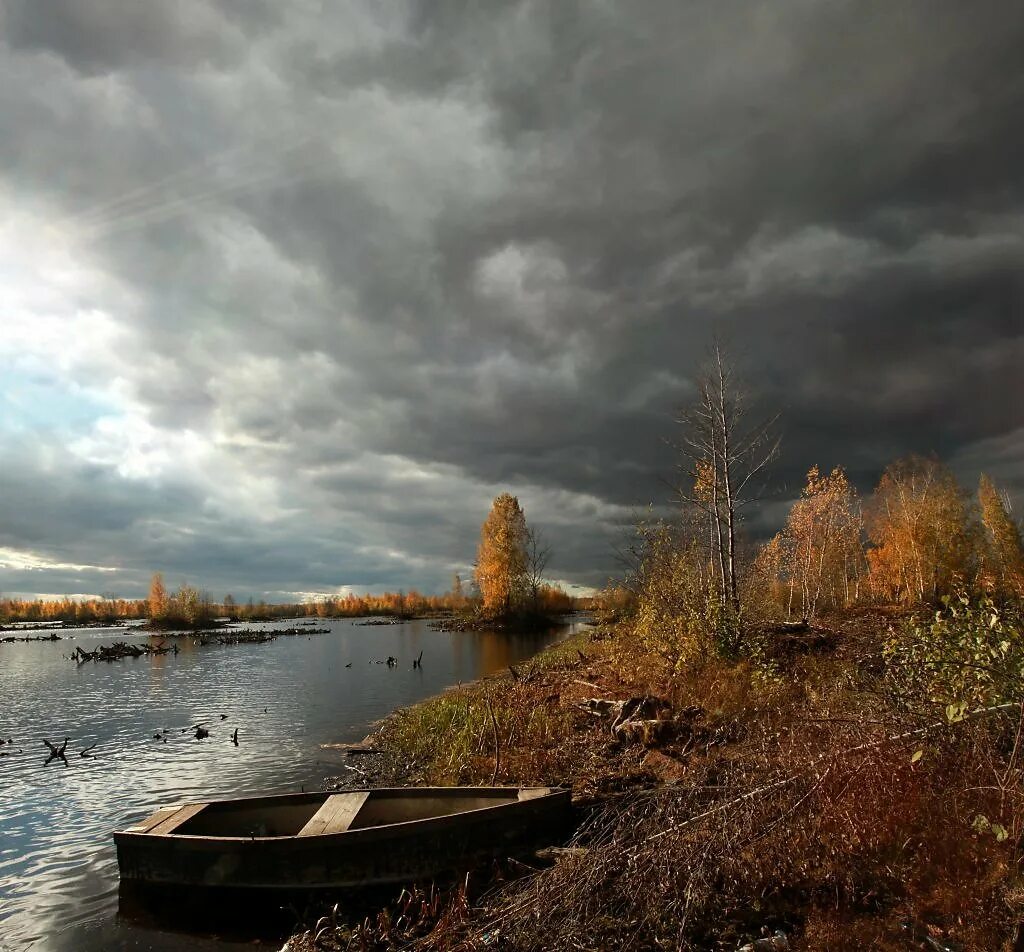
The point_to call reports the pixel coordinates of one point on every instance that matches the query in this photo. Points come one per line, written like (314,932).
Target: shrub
(970,653)
(679,613)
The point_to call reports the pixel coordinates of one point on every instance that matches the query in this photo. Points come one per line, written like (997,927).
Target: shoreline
(744,799)
(373,765)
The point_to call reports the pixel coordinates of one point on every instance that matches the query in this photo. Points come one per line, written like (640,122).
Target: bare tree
(538,554)
(724,458)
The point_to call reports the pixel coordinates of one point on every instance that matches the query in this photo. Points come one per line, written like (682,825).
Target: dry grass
(788,836)
(792,805)
(503,730)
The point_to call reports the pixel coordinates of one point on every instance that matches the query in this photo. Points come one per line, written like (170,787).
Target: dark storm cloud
(372,264)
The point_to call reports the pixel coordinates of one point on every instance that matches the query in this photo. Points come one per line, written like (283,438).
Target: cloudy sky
(289,291)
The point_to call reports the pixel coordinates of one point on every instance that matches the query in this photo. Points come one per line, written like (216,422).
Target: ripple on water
(58,868)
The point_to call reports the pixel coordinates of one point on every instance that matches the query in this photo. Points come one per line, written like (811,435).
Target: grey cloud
(103,35)
(493,242)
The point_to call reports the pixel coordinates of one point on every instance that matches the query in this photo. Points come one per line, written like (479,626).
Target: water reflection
(58,871)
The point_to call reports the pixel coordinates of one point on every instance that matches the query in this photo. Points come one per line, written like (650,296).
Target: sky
(290,291)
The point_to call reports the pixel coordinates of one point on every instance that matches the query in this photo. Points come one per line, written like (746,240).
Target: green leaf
(1000,831)
(981,824)
(955,712)
(918,754)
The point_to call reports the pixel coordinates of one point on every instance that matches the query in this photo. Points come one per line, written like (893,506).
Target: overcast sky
(290,290)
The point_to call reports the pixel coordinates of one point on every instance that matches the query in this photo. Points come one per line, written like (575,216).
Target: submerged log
(118,651)
(258,636)
(50,637)
(56,753)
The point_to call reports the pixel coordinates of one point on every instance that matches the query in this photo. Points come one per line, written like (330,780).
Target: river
(58,868)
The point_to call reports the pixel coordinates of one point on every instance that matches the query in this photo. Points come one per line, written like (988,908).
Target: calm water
(58,869)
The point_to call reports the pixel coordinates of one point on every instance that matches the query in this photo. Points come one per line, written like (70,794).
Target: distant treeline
(189,607)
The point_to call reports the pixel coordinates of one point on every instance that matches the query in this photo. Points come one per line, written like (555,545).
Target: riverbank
(723,803)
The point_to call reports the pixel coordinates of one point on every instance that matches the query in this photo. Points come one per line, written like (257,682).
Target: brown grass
(792,808)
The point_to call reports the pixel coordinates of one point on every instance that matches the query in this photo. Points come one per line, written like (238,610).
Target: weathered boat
(327,841)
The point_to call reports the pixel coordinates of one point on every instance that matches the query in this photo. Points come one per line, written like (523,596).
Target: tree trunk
(730,506)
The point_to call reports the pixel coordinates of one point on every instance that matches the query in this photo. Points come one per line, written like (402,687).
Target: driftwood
(51,637)
(120,650)
(647,719)
(244,638)
(259,636)
(56,753)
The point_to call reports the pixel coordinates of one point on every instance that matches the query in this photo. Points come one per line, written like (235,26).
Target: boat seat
(180,816)
(336,814)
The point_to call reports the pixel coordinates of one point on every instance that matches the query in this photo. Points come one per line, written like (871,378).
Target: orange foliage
(501,563)
(924,540)
(1003,552)
(920,532)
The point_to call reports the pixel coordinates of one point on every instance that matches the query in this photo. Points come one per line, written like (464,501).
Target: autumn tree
(920,532)
(1003,552)
(502,562)
(186,604)
(823,536)
(157,597)
(768,585)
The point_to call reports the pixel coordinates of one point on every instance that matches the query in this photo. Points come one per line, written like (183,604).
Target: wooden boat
(327,841)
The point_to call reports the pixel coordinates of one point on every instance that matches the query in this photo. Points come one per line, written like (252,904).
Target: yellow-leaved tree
(920,532)
(824,530)
(1003,552)
(501,561)
(157,597)
(815,562)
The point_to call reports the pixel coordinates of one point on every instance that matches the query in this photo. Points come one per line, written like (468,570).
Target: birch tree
(725,457)
(920,532)
(823,535)
(1004,553)
(538,554)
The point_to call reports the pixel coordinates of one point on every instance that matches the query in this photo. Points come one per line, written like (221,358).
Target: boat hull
(391,853)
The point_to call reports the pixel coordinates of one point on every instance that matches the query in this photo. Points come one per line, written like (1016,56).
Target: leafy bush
(969,654)
(679,613)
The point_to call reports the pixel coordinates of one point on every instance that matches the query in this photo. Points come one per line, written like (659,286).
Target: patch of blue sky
(34,400)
